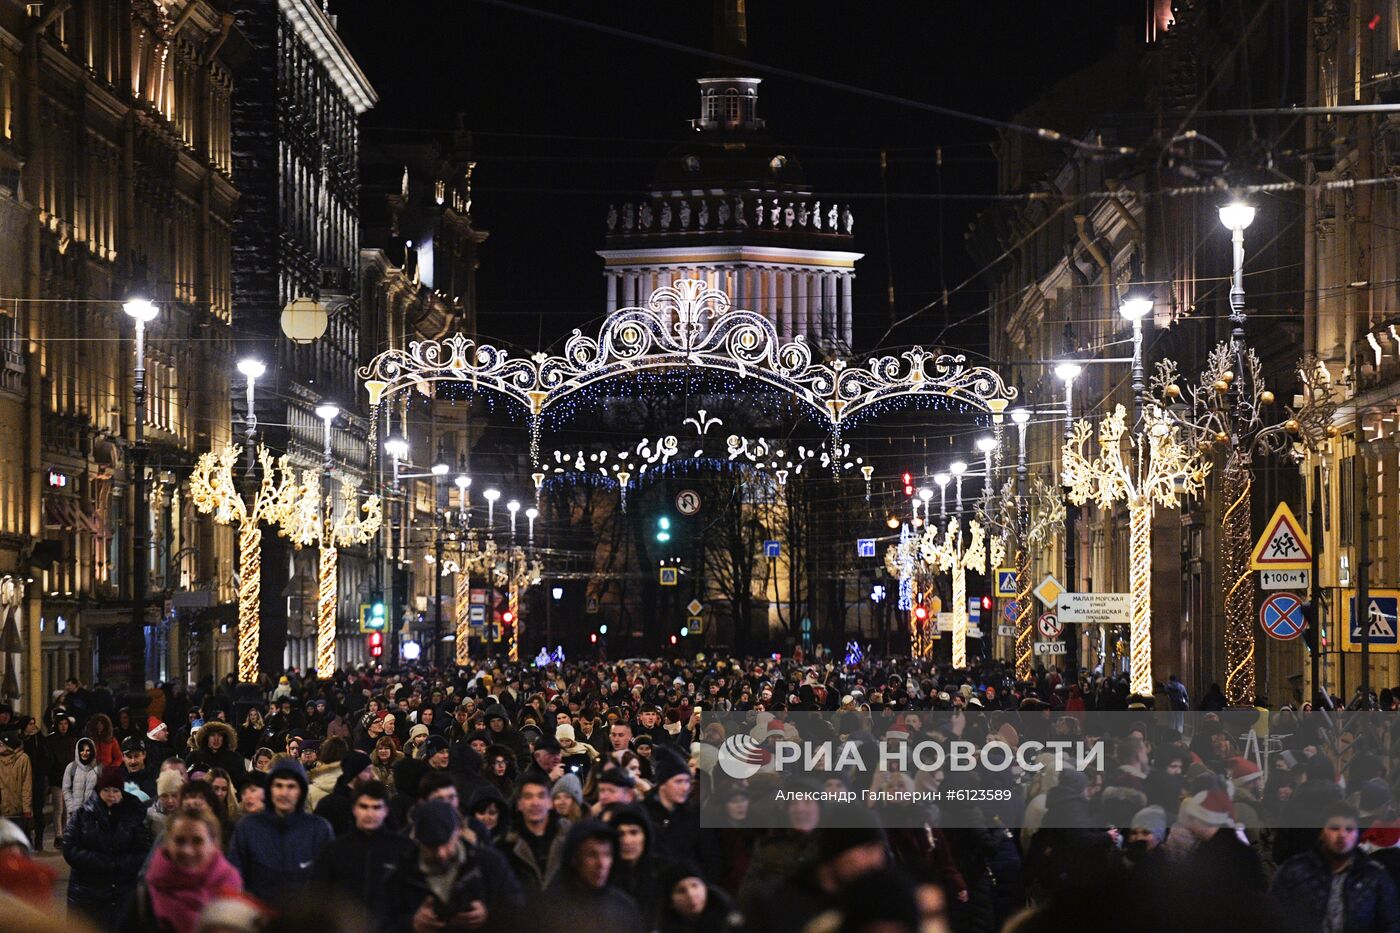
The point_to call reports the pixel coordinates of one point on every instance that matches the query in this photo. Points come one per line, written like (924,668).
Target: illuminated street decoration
(956,554)
(687,326)
(313,520)
(1042,519)
(213,489)
(506,568)
(1156,469)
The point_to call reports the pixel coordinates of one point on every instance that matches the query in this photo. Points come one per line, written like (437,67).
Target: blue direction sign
(1282,616)
(865,547)
(772,549)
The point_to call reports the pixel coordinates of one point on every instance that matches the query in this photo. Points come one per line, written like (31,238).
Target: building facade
(295,151)
(115,179)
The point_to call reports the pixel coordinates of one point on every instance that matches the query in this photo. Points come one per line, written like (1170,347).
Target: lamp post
(1067,372)
(1134,308)
(531,514)
(252,370)
(958,468)
(491,496)
(513,506)
(461,606)
(941,480)
(987,445)
(1025,634)
(329,557)
(925,494)
(397,449)
(141,311)
(439,470)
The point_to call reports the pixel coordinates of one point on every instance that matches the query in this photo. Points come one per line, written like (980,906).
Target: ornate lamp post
(1158,469)
(141,311)
(213,489)
(955,555)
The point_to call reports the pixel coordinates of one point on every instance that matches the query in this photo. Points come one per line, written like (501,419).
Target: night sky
(566,119)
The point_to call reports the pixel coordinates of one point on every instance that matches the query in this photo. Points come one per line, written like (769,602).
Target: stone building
(115,179)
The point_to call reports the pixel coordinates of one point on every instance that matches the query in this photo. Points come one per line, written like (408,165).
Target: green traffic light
(663,523)
(663,536)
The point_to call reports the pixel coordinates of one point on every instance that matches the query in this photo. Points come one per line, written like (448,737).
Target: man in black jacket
(447,881)
(358,863)
(335,807)
(674,817)
(580,897)
(136,769)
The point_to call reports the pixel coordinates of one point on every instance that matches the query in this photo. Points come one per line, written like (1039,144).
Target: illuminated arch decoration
(687,325)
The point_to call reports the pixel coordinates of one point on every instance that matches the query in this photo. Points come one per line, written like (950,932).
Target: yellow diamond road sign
(695,606)
(1048,591)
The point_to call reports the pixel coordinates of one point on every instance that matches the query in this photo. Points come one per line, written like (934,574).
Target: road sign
(1049,647)
(772,549)
(1049,591)
(1380,614)
(1011,610)
(694,607)
(1049,627)
(1094,608)
(1006,581)
(806,624)
(865,547)
(1007,630)
(1285,579)
(687,502)
(1282,616)
(670,576)
(592,605)
(945,621)
(974,611)
(696,625)
(974,631)
(1282,546)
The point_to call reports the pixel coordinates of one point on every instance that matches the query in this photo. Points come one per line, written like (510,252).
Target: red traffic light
(673,639)
(921,613)
(987,602)
(507,617)
(907,479)
(593,637)
(376,644)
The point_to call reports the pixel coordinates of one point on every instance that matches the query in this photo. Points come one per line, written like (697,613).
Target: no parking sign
(1282,616)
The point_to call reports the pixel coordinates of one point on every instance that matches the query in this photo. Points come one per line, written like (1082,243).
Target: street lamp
(925,494)
(141,311)
(987,445)
(252,369)
(941,480)
(1021,652)
(512,506)
(958,468)
(491,496)
(531,514)
(464,482)
(1136,306)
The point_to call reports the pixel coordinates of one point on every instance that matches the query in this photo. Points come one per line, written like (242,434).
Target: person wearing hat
(446,882)
(567,795)
(417,739)
(577,757)
(1333,886)
(354,863)
(168,786)
(1146,832)
(105,843)
(637,870)
(674,815)
(137,769)
(356,770)
(546,759)
(275,849)
(615,786)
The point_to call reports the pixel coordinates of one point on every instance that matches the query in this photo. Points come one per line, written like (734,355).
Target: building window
(731,105)
(1345,496)
(710,107)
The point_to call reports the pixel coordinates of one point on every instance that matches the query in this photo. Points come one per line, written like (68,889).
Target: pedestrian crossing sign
(1282,546)
(1379,619)
(1006,581)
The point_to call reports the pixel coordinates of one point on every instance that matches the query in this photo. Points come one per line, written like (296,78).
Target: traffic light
(507,618)
(373,617)
(673,639)
(908,479)
(921,613)
(376,644)
(986,604)
(663,529)
(593,638)
(1310,627)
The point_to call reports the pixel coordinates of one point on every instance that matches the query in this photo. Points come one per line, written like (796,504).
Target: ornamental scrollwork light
(687,325)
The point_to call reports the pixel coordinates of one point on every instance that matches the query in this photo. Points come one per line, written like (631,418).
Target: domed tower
(732,207)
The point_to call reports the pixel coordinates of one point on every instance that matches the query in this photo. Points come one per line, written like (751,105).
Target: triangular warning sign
(1282,546)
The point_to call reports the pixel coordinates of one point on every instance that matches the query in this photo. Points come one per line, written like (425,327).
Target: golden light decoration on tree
(213,489)
(1156,469)
(313,520)
(1042,519)
(955,554)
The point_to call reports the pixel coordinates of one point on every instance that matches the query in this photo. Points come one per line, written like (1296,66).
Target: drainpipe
(1091,245)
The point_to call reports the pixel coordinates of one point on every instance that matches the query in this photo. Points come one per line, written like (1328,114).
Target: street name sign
(1094,608)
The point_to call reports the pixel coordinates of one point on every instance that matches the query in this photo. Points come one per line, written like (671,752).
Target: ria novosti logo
(740,756)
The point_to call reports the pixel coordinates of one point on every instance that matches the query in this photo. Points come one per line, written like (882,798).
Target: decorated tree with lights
(1227,411)
(1155,467)
(214,489)
(955,554)
(1041,519)
(313,520)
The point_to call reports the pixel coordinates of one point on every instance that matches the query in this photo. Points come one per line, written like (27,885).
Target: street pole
(1067,373)
(1315,533)
(140,535)
(1363,564)
(1024,637)
(436,654)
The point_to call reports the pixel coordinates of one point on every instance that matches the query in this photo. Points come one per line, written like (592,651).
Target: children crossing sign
(1282,546)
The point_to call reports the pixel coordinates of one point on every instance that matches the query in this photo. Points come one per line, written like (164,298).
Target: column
(770,295)
(740,296)
(800,326)
(829,307)
(629,288)
(610,284)
(848,280)
(788,307)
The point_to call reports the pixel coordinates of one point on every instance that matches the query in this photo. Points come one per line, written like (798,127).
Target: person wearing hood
(690,905)
(580,896)
(534,845)
(638,869)
(489,814)
(216,746)
(446,881)
(274,850)
(105,843)
(16,780)
(59,748)
(499,732)
(358,863)
(337,807)
(80,777)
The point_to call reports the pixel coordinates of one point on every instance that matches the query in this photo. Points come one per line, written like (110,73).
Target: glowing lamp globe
(304,320)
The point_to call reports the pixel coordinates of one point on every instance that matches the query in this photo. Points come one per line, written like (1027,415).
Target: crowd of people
(570,797)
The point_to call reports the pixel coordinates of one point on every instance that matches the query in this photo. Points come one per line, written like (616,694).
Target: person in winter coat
(1306,886)
(446,880)
(16,781)
(109,750)
(59,747)
(337,807)
(216,746)
(580,896)
(105,843)
(80,777)
(383,758)
(186,872)
(489,812)
(691,905)
(275,849)
(534,846)
(358,863)
(32,744)
(326,772)
(638,869)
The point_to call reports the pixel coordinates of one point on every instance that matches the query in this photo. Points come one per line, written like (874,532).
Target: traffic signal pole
(1315,597)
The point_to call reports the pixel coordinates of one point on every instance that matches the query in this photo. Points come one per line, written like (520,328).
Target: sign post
(1094,608)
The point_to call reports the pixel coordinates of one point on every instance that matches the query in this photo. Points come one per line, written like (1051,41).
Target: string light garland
(1227,408)
(313,520)
(213,489)
(1158,469)
(1042,520)
(691,327)
(955,554)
